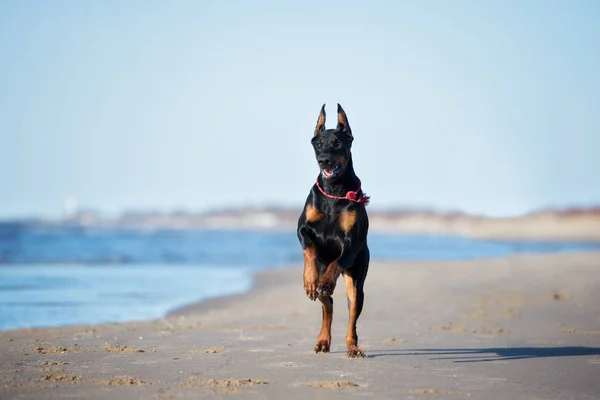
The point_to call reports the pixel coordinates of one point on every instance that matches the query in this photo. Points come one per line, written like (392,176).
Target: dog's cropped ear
(343,124)
(320,121)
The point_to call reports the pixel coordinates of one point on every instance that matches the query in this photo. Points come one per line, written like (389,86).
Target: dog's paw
(355,352)
(311,290)
(326,287)
(322,346)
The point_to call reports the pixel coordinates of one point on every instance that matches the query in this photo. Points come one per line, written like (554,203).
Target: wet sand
(523,327)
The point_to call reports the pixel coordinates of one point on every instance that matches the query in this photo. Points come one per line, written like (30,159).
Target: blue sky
(490,107)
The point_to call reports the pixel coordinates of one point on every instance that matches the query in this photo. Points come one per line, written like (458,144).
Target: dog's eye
(336,144)
(319,145)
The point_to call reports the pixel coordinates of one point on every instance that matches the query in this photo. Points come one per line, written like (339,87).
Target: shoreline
(262,278)
(524,326)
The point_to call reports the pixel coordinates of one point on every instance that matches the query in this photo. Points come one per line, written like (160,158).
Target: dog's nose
(324,161)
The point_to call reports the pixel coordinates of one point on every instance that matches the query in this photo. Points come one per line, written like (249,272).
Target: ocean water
(63,276)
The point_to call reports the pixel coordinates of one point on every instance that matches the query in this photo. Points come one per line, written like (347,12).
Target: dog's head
(332,146)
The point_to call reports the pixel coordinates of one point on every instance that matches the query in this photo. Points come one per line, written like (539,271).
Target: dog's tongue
(327,173)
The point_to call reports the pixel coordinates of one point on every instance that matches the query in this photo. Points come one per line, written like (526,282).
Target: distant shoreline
(576,224)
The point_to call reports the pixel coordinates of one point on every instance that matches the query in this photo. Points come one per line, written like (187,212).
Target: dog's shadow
(469,355)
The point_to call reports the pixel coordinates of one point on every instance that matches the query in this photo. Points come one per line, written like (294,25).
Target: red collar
(356,196)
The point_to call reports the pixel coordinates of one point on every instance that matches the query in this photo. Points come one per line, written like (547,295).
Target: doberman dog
(333,230)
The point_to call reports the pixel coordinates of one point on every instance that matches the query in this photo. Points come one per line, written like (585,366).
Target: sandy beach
(523,327)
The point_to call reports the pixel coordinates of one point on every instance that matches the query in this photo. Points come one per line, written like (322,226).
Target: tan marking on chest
(312,214)
(347,220)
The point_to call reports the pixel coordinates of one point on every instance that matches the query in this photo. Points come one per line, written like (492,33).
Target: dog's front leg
(311,272)
(329,278)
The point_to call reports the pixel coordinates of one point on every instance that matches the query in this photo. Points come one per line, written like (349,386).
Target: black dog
(333,230)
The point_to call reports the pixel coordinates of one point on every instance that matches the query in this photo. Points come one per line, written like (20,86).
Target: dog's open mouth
(330,173)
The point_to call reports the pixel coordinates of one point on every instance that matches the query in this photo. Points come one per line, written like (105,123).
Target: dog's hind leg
(324,339)
(354,291)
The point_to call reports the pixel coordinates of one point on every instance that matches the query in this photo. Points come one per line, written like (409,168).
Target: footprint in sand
(432,392)
(333,384)
(395,340)
(115,348)
(208,350)
(123,381)
(288,364)
(260,350)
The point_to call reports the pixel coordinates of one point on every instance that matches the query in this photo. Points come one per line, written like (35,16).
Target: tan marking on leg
(312,214)
(347,220)
(311,273)
(324,339)
(351,336)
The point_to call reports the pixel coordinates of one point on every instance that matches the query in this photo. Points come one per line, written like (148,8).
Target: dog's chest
(327,229)
(328,241)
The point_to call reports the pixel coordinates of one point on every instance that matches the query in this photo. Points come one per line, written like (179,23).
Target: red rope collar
(354,196)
